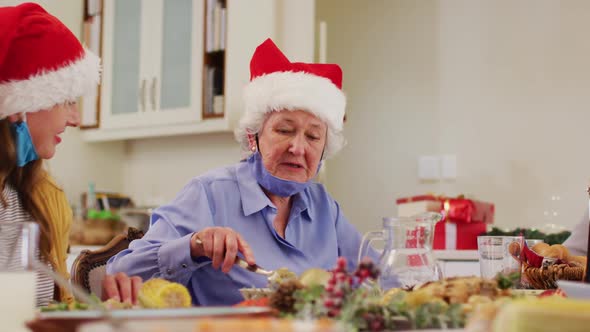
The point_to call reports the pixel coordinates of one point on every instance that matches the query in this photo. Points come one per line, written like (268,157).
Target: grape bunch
(283,299)
(338,287)
(342,284)
(374,320)
(366,270)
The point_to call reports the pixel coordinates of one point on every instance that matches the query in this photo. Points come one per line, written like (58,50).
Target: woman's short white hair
(290,91)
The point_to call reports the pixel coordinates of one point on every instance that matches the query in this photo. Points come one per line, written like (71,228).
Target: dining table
(146,320)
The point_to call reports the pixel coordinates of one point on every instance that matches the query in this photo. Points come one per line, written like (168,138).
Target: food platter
(215,325)
(158,313)
(70,321)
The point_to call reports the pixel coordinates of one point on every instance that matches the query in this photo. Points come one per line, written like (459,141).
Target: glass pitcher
(407,258)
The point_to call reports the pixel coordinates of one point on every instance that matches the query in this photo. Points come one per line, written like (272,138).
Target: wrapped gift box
(464,219)
(450,235)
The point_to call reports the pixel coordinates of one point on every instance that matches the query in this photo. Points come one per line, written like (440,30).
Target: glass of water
(500,255)
(18,250)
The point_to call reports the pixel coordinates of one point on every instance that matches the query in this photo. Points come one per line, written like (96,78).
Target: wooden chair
(89,268)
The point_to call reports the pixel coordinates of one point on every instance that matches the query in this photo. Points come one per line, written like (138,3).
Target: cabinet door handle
(153,92)
(142,94)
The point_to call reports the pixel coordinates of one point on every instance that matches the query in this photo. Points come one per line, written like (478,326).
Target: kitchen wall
(503,85)
(156,169)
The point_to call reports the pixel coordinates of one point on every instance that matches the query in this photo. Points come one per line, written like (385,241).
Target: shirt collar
(301,204)
(254,199)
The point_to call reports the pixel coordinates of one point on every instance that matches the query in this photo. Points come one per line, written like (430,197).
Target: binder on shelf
(214,68)
(218,103)
(217,26)
(215,19)
(223,23)
(92,39)
(209,90)
(92,8)
(209,25)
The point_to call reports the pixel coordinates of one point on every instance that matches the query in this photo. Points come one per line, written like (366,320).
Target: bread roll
(555,251)
(514,249)
(578,260)
(540,248)
(562,252)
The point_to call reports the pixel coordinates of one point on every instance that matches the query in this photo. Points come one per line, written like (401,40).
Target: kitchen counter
(456,255)
(458,263)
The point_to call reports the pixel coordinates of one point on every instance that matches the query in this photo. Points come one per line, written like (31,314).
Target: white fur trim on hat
(49,88)
(297,90)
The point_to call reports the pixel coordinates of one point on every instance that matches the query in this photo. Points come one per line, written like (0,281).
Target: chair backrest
(89,268)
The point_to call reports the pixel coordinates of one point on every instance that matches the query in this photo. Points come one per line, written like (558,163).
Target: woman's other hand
(221,244)
(120,287)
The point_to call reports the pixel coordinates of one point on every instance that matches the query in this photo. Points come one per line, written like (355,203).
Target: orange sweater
(52,201)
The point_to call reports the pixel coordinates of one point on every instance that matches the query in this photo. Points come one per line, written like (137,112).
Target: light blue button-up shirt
(316,234)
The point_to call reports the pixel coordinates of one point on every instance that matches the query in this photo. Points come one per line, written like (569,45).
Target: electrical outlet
(429,168)
(449,167)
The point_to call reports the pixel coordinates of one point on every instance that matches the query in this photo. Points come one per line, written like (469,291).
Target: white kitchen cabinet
(152,58)
(154,64)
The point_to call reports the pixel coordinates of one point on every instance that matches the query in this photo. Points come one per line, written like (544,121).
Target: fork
(243,264)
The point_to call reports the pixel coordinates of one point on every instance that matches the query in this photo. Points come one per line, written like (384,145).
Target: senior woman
(267,207)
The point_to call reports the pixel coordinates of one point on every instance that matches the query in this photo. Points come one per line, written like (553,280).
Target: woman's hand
(120,287)
(221,244)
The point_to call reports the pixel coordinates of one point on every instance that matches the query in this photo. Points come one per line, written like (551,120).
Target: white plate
(156,313)
(527,292)
(208,325)
(255,293)
(575,289)
(435,330)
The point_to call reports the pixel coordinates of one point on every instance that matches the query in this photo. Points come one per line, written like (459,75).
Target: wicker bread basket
(546,277)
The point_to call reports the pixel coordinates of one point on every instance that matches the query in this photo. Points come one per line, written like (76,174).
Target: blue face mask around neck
(275,185)
(25,150)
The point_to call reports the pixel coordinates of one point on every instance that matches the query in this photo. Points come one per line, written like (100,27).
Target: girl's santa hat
(42,63)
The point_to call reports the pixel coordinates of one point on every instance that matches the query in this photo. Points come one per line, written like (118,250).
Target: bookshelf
(214,59)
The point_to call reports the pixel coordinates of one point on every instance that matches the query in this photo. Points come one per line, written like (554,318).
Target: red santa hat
(42,64)
(279,84)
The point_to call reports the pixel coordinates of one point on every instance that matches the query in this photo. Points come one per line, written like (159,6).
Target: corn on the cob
(544,315)
(159,293)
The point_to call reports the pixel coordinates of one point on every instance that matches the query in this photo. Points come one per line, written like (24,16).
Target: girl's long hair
(23,180)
